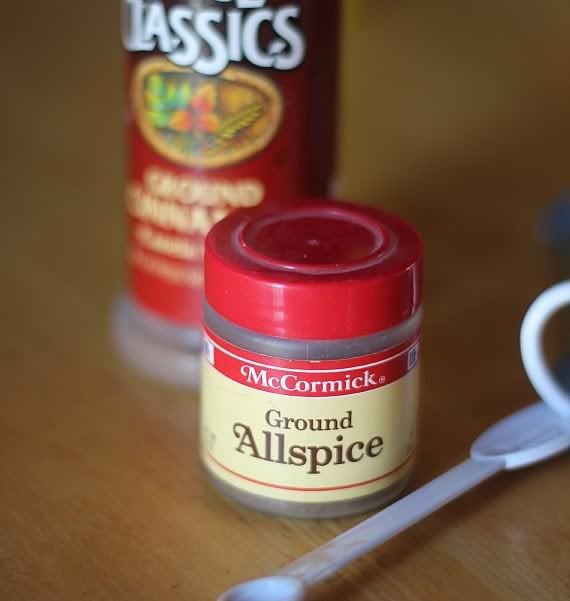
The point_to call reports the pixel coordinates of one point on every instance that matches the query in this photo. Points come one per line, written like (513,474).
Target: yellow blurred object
(180,121)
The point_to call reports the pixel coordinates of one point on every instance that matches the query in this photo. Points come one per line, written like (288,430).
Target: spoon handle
(370,533)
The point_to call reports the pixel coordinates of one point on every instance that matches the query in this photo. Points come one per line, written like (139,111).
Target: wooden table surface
(455,114)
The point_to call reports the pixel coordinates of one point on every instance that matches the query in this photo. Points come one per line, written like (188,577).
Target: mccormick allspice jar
(231,103)
(310,370)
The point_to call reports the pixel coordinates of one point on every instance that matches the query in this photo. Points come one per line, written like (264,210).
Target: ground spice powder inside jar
(310,370)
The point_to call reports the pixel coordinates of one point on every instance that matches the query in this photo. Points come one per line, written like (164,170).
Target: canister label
(308,431)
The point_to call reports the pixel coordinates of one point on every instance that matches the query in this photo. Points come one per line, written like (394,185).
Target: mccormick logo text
(209,37)
(293,383)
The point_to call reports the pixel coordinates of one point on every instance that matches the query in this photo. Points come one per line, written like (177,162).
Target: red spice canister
(231,103)
(310,378)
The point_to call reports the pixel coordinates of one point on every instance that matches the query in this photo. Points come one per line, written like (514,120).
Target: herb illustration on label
(205,122)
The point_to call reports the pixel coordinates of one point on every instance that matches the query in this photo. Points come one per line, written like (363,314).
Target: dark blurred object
(555,232)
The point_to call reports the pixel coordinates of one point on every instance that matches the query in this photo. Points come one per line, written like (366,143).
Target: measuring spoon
(528,436)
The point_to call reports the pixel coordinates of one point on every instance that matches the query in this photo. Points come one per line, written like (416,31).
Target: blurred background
(460,97)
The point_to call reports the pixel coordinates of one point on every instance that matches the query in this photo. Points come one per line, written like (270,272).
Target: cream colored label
(308,448)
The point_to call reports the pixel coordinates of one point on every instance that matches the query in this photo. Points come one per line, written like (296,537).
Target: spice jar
(310,370)
(231,103)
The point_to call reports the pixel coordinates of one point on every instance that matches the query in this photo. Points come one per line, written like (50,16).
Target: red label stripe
(310,378)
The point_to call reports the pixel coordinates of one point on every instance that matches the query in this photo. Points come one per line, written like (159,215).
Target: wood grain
(457,115)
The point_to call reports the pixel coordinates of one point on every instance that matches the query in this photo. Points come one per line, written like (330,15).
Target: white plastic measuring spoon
(528,436)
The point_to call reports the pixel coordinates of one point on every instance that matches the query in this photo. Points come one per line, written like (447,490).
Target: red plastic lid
(321,270)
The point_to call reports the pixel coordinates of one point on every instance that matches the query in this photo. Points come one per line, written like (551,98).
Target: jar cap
(317,270)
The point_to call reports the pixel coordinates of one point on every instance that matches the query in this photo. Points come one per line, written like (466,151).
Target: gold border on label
(233,74)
